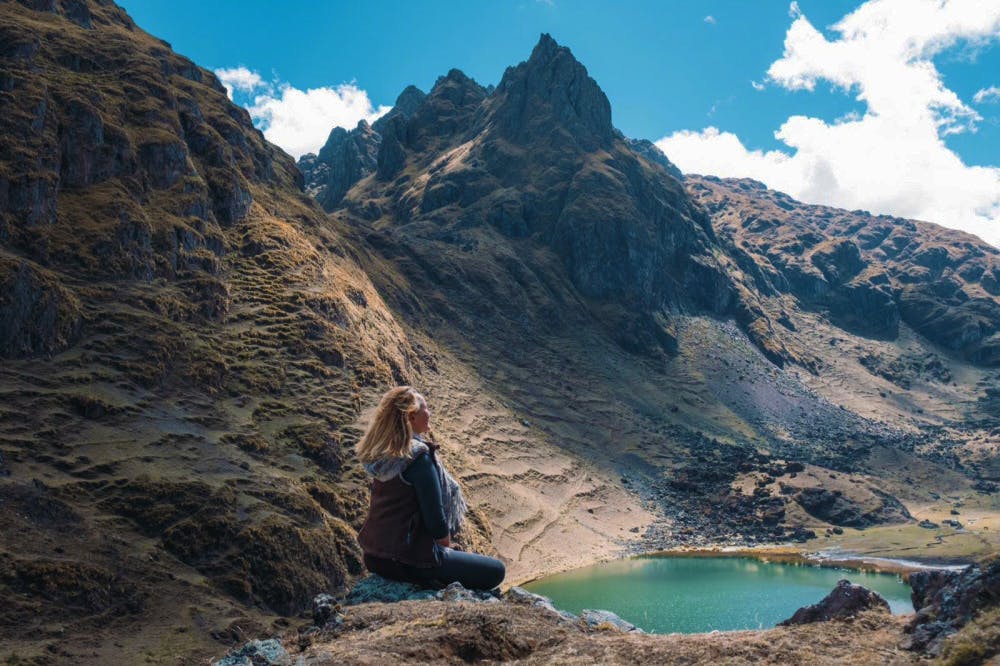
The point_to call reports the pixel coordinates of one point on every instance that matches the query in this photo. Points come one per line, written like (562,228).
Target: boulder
(519,595)
(374,588)
(946,600)
(456,592)
(324,611)
(602,619)
(269,652)
(845,601)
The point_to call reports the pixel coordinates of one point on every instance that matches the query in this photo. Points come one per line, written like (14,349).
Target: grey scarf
(455,507)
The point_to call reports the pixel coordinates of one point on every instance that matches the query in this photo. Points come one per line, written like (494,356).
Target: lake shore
(833,558)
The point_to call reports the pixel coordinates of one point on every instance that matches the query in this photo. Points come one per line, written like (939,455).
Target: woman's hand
(446,541)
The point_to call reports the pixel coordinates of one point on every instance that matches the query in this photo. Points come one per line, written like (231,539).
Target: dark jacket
(406,515)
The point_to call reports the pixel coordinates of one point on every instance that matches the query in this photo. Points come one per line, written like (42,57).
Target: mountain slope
(186,342)
(869,273)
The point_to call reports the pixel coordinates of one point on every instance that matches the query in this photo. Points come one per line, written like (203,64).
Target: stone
(268,652)
(374,588)
(599,619)
(456,592)
(519,595)
(946,600)
(845,601)
(324,610)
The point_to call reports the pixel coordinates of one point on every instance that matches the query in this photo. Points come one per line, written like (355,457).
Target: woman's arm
(423,476)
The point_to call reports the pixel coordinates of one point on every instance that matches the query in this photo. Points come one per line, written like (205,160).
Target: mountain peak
(455,79)
(410,99)
(406,105)
(545,49)
(552,86)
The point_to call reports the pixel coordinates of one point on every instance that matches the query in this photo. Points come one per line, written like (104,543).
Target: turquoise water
(696,594)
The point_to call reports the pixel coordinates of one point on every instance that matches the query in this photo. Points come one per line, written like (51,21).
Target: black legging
(473,571)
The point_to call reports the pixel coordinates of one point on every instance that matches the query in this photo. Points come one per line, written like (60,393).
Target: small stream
(698,594)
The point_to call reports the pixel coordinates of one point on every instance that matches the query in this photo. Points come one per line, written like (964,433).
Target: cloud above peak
(299,121)
(892,159)
(239,79)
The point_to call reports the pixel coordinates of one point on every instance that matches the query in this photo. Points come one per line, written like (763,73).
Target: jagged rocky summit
(538,157)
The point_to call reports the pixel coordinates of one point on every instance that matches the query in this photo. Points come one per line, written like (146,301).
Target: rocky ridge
(870,273)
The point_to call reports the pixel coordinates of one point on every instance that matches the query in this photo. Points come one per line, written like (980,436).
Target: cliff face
(536,160)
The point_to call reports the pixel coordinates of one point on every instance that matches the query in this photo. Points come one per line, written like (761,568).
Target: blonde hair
(390,432)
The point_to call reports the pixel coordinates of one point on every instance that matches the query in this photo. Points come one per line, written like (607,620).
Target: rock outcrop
(833,507)
(845,601)
(946,601)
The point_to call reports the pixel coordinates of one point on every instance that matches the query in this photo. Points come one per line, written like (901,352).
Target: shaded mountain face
(536,160)
(182,345)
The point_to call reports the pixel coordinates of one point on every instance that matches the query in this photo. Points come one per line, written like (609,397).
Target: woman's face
(420,420)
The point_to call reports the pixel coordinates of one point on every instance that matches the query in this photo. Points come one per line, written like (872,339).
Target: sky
(890,106)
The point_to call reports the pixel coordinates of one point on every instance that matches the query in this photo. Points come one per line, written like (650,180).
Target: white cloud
(892,159)
(239,78)
(299,121)
(988,95)
(710,20)
(757,85)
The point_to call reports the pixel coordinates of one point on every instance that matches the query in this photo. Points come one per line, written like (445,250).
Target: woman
(416,505)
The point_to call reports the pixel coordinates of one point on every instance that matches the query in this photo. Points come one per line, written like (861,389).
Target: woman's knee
(490,574)
(499,571)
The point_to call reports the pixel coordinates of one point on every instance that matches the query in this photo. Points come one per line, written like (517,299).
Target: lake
(697,594)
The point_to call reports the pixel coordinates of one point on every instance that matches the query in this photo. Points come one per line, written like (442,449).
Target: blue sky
(715,83)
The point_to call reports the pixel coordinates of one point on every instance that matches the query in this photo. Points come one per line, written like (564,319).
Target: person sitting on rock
(416,505)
